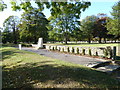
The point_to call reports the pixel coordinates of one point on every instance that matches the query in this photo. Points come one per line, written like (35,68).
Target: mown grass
(22,69)
(87,44)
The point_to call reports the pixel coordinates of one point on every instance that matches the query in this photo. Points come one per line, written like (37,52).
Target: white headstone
(118,50)
(20,47)
(40,43)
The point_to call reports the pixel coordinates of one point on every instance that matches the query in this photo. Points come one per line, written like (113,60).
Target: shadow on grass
(117,57)
(6,54)
(54,75)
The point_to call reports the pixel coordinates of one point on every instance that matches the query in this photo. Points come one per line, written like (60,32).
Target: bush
(68,49)
(90,52)
(49,47)
(83,51)
(110,52)
(55,47)
(96,53)
(73,50)
(77,50)
(63,49)
(105,52)
(59,49)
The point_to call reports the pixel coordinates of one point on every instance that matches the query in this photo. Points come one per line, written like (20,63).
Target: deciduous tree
(88,26)
(113,24)
(10,26)
(33,26)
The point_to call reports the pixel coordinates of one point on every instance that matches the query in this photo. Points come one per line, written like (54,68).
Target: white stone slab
(20,47)
(40,43)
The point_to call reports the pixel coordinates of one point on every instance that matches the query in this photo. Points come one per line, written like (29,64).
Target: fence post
(114,53)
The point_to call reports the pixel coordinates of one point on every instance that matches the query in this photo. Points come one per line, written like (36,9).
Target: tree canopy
(11,29)
(88,26)
(65,18)
(113,24)
(33,26)
(2,5)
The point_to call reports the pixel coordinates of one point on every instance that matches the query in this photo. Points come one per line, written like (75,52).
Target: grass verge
(22,69)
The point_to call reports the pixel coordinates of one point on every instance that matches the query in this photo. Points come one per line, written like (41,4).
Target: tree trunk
(100,39)
(89,40)
(65,40)
(14,36)
(105,40)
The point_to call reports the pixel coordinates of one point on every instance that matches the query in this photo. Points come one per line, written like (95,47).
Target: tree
(63,11)
(100,29)
(2,5)
(33,26)
(88,26)
(10,27)
(76,35)
(65,17)
(113,24)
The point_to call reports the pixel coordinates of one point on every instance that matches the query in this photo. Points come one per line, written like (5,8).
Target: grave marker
(40,43)
(20,47)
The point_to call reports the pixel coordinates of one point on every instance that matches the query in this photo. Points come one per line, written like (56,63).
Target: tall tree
(65,17)
(88,26)
(33,26)
(61,11)
(113,24)
(100,29)
(10,25)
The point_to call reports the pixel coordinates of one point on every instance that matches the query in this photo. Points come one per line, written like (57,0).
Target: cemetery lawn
(87,44)
(22,69)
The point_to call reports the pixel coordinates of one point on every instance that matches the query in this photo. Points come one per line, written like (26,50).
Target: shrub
(55,47)
(59,49)
(105,52)
(68,49)
(96,53)
(63,49)
(110,52)
(77,50)
(90,52)
(73,50)
(83,51)
(49,47)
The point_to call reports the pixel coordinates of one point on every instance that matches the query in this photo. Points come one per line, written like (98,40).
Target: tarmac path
(82,60)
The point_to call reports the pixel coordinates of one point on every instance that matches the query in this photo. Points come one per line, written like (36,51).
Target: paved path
(82,60)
